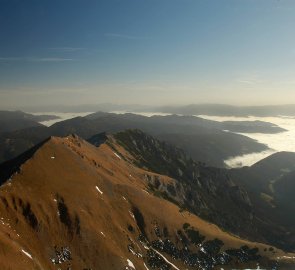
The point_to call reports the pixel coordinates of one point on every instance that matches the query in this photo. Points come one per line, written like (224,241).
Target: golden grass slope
(72,194)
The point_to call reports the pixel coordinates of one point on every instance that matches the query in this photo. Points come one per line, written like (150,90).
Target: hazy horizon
(108,107)
(147,52)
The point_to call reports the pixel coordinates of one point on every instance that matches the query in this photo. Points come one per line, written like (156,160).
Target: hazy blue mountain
(228,110)
(204,140)
(16,120)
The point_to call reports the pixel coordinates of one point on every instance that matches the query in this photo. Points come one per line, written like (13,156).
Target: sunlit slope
(74,206)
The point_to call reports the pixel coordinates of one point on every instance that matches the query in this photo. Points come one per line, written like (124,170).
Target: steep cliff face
(206,191)
(216,195)
(71,205)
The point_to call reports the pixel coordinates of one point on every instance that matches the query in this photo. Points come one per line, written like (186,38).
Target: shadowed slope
(8,168)
(224,197)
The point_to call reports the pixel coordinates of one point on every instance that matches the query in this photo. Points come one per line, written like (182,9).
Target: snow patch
(258,268)
(130,264)
(286,257)
(137,254)
(97,188)
(52,157)
(203,250)
(132,215)
(166,260)
(103,234)
(27,254)
(117,155)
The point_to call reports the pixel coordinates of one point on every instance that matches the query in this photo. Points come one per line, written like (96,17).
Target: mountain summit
(68,204)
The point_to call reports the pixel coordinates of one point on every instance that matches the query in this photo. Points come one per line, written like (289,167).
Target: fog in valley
(284,141)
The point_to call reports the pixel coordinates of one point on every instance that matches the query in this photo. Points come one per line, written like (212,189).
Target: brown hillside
(76,206)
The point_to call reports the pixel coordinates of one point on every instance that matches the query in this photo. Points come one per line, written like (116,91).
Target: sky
(158,52)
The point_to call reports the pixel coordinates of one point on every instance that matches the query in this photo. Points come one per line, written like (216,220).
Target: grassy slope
(33,203)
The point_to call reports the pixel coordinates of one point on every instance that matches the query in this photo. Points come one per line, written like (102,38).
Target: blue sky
(147,51)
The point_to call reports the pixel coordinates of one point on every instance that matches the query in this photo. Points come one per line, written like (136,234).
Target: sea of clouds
(284,141)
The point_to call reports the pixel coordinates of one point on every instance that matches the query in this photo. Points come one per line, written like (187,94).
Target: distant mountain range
(192,109)
(16,120)
(228,110)
(203,140)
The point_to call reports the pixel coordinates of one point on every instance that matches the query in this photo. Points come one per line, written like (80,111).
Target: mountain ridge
(197,136)
(85,200)
(217,195)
